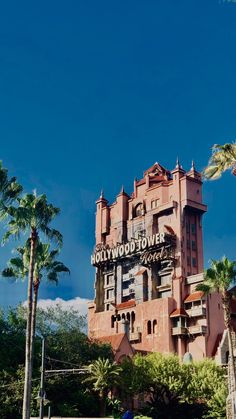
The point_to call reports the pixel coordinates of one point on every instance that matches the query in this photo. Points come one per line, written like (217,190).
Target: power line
(66,371)
(62,362)
(18,382)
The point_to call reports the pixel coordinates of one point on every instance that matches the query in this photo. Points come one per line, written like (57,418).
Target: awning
(195,296)
(125,304)
(179,312)
(140,272)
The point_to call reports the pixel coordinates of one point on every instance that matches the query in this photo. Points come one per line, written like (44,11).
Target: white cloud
(80,304)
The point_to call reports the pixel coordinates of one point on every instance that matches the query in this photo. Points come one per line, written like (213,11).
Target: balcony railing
(163,287)
(198,329)
(135,336)
(127,277)
(193,279)
(179,330)
(196,311)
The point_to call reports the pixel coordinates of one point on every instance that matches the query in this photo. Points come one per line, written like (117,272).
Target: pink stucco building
(149,259)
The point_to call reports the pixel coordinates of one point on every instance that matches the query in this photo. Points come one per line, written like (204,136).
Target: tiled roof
(179,312)
(197,295)
(141,182)
(114,340)
(126,304)
(156,167)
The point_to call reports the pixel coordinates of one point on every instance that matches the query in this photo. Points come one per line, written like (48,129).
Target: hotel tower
(149,258)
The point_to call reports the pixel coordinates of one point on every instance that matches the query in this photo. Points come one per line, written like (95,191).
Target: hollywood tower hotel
(149,259)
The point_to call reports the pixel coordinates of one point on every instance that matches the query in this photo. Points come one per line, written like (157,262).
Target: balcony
(179,330)
(196,311)
(135,337)
(125,292)
(194,279)
(197,330)
(127,277)
(163,287)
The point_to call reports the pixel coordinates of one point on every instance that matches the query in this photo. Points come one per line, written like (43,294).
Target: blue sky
(92,93)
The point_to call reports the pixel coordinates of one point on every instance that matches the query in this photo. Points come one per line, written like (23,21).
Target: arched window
(227,357)
(149,327)
(138,211)
(154,326)
(132,321)
(128,317)
(112,321)
(123,316)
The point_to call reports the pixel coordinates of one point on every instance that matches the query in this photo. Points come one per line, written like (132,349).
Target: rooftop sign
(129,248)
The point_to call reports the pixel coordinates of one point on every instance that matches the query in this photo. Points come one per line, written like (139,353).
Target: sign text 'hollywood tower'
(125,249)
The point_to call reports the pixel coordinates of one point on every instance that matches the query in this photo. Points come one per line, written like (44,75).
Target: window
(188,261)
(109,279)
(154,203)
(109,294)
(154,327)
(112,321)
(194,246)
(188,244)
(108,307)
(138,210)
(125,285)
(193,228)
(149,327)
(194,262)
(175,322)
(187,226)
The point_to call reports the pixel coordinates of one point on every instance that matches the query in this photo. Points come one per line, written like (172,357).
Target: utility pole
(42,391)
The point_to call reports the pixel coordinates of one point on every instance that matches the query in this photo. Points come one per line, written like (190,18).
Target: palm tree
(103,375)
(223,158)
(45,266)
(32,215)
(10,189)
(219,277)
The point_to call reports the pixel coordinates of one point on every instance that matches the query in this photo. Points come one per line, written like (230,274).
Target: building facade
(149,258)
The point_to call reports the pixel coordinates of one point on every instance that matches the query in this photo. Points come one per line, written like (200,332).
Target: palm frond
(53,234)
(9,273)
(223,158)
(204,287)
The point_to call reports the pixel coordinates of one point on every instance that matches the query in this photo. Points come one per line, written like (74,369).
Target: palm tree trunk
(36,283)
(102,407)
(28,346)
(33,325)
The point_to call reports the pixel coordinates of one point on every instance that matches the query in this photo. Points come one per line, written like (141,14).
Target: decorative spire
(102,194)
(122,189)
(177,164)
(193,166)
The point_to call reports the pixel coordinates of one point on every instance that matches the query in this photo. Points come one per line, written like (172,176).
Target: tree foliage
(103,375)
(67,346)
(223,158)
(177,390)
